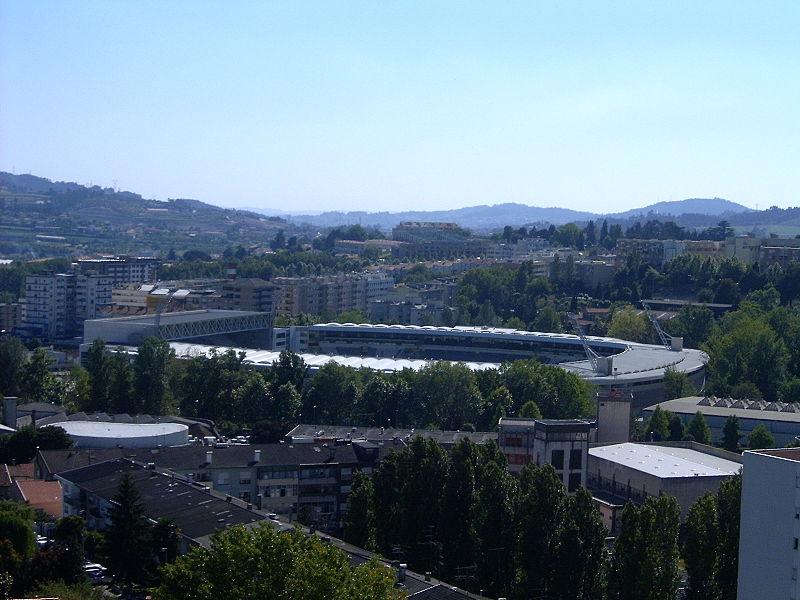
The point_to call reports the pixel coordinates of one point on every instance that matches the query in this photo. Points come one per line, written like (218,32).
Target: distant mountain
(478,218)
(676,208)
(492,218)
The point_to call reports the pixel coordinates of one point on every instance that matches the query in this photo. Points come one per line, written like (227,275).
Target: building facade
(563,444)
(769,534)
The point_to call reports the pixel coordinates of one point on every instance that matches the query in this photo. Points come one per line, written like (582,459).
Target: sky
(406,105)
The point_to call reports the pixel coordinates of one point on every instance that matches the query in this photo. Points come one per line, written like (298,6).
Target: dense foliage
(265,564)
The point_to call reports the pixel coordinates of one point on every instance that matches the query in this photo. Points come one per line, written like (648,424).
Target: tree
(760,438)
(69,535)
(645,559)
(699,429)
(542,508)
(118,375)
(129,551)
(547,320)
(456,524)
(627,325)
(700,551)
(151,376)
(729,498)
(360,527)
(581,566)
(13,356)
(289,368)
(266,564)
(677,384)
(657,427)
(494,511)
(676,428)
(748,350)
(731,434)
(65,591)
(37,383)
(530,410)
(165,540)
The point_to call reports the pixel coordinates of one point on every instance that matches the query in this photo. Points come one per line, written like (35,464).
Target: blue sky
(397,105)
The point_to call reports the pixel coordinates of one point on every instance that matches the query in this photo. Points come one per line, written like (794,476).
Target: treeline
(464,518)
(223,388)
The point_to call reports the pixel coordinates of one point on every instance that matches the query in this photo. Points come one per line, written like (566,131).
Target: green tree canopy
(265,564)
(760,438)
(699,429)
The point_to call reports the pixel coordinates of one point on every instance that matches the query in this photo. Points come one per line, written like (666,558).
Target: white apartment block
(56,304)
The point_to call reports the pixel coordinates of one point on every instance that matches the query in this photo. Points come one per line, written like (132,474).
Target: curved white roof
(120,430)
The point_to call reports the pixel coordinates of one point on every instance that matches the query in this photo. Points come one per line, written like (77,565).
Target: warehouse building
(781,419)
(631,471)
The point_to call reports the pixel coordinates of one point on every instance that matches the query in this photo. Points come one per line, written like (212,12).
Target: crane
(665,339)
(590,354)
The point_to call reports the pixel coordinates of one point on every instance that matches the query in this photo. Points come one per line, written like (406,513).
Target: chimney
(401,573)
(209,457)
(427,575)
(10,411)
(256,456)
(230,272)
(33,418)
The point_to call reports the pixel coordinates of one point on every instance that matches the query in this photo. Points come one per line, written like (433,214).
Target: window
(796,543)
(557,459)
(576,459)
(222,479)
(574,482)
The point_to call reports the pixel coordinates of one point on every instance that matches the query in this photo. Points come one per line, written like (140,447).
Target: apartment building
(56,304)
(330,295)
(122,269)
(281,478)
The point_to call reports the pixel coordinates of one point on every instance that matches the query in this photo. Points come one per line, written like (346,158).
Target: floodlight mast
(590,354)
(665,339)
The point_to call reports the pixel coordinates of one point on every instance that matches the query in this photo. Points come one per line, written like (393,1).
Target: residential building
(197,510)
(122,269)
(330,295)
(56,304)
(280,478)
(769,533)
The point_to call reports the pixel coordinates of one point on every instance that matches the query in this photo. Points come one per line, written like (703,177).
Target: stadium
(608,363)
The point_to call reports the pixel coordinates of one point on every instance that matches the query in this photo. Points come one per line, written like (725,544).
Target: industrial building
(769,535)
(781,419)
(563,444)
(98,434)
(631,471)
(221,327)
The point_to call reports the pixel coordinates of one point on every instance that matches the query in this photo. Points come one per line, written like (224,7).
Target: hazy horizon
(319,106)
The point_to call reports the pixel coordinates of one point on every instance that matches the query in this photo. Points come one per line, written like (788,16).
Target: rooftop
(186,316)
(723,407)
(119,430)
(666,462)
(197,511)
(267,357)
